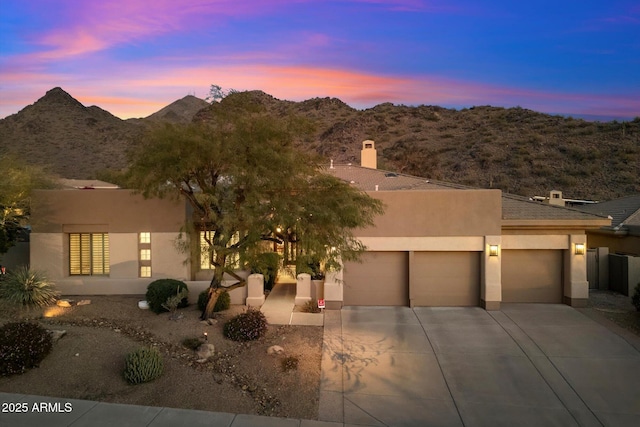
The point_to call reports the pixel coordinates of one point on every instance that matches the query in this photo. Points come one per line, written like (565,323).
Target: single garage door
(445,279)
(381,279)
(532,276)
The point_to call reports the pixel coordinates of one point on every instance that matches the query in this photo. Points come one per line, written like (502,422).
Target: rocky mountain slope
(515,149)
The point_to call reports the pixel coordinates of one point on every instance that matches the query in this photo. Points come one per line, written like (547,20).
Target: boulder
(64,303)
(275,349)
(84,302)
(205,351)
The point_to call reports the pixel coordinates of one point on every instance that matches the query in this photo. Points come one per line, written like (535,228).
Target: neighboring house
(622,236)
(437,244)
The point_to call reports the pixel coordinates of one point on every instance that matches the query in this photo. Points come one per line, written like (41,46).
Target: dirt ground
(87,363)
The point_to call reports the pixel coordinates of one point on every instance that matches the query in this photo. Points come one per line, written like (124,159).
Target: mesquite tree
(244,178)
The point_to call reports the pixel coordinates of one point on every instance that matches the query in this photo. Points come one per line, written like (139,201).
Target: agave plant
(27,287)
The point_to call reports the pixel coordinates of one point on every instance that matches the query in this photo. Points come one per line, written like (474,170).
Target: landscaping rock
(64,303)
(204,352)
(84,302)
(275,349)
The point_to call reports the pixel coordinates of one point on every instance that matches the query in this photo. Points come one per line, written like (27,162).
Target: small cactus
(143,365)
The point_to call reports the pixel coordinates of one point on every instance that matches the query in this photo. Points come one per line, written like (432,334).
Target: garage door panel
(445,279)
(533,276)
(381,279)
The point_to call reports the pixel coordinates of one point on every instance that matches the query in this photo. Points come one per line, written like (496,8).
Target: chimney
(555,198)
(369,155)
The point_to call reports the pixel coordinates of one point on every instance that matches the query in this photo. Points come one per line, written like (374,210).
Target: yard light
(579,249)
(493,250)
(206,337)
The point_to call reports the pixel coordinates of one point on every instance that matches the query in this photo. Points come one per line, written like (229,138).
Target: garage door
(445,279)
(532,276)
(381,279)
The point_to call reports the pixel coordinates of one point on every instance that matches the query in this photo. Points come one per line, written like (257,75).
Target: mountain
(180,111)
(74,140)
(517,150)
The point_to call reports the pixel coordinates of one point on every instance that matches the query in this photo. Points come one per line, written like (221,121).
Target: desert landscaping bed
(88,361)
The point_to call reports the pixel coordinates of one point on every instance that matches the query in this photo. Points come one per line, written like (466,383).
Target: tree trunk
(214,294)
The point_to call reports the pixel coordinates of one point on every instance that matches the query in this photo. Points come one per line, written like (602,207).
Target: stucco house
(437,244)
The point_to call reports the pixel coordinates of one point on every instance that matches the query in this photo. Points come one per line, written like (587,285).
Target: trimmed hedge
(160,290)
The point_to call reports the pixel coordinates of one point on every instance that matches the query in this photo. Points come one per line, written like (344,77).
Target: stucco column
(576,286)
(333,291)
(303,289)
(255,290)
(491,283)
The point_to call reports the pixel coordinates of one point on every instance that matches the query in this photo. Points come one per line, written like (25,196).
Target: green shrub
(223,303)
(311,307)
(192,343)
(159,291)
(636,297)
(23,345)
(267,264)
(28,287)
(247,326)
(143,365)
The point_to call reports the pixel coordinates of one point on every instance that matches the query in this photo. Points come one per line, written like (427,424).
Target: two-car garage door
(437,279)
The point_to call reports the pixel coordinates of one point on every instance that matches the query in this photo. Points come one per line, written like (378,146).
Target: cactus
(143,365)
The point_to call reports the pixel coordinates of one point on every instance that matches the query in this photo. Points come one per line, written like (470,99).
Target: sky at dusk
(133,57)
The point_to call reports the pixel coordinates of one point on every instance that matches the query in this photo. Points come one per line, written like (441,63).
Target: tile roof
(624,211)
(513,207)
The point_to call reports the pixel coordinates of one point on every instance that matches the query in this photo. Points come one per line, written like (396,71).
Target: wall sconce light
(493,250)
(579,249)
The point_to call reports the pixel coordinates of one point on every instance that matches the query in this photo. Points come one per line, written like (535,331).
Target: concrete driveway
(526,365)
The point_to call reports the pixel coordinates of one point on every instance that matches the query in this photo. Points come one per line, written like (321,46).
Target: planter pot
(144,305)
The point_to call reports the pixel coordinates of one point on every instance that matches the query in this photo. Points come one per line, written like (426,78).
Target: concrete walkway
(279,305)
(527,365)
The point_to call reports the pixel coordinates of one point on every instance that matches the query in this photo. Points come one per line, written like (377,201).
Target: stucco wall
(120,211)
(627,245)
(437,213)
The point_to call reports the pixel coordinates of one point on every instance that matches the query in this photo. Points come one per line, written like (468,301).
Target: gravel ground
(615,307)
(87,363)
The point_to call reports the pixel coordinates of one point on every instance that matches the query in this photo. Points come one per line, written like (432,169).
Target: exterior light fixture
(493,250)
(579,249)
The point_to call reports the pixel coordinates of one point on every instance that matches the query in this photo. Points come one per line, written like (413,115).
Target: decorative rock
(212,321)
(56,335)
(84,302)
(64,303)
(204,352)
(275,349)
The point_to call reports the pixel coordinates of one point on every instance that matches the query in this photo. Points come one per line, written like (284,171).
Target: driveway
(526,365)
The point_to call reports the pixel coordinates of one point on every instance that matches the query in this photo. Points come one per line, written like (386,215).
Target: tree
(244,179)
(17,181)
(217,94)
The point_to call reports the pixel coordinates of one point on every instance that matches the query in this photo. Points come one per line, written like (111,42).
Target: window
(233,260)
(145,271)
(88,254)
(144,254)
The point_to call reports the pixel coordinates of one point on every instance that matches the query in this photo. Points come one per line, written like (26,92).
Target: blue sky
(132,57)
